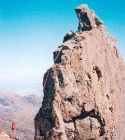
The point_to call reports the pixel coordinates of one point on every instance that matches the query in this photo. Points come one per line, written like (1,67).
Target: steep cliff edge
(84,90)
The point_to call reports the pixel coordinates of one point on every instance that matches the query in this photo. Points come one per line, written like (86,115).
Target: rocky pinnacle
(84,91)
(87,18)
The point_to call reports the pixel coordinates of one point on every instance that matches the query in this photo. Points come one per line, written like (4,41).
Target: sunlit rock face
(84,94)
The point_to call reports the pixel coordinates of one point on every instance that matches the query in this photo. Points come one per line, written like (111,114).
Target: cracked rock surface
(84,91)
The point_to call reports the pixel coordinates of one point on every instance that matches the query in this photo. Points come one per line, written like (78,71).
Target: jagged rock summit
(87,18)
(84,90)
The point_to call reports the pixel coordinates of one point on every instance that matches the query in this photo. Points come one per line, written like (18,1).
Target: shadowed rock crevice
(69,36)
(98,22)
(47,121)
(57,55)
(60,78)
(92,113)
(84,22)
(87,19)
(98,72)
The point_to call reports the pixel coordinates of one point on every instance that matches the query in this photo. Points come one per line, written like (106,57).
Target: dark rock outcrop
(87,18)
(84,91)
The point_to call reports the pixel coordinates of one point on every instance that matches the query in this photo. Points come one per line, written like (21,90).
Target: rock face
(84,90)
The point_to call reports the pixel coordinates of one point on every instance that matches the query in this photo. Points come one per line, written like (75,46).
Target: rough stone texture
(84,91)
(87,18)
(4,136)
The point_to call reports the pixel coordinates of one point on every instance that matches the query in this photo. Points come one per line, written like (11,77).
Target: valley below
(21,110)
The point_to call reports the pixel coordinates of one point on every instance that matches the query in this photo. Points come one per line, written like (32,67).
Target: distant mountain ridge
(21,110)
(21,86)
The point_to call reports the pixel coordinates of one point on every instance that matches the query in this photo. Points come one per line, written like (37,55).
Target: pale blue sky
(30,30)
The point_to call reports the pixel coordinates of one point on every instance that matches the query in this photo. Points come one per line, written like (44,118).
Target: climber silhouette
(13,127)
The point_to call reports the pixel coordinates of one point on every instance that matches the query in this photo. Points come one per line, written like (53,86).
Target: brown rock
(87,18)
(84,91)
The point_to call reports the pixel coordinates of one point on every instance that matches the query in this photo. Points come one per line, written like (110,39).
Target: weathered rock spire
(84,92)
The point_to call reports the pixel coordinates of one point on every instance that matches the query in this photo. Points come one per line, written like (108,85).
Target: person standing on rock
(13,128)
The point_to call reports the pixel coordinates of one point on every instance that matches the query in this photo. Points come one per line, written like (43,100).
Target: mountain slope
(21,110)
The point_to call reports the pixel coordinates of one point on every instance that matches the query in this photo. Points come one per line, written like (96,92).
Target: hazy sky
(30,30)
